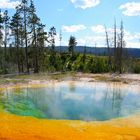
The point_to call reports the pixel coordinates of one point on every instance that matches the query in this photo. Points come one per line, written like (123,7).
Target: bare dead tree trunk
(108,47)
(121,46)
(115,47)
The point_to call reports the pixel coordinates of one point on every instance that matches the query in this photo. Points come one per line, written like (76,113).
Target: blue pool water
(73,101)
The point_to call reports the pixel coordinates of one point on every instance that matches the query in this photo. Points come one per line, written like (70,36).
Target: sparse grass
(42,76)
(62,76)
(11,80)
(115,80)
(101,78)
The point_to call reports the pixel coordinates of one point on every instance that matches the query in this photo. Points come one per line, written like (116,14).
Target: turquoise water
(73,101)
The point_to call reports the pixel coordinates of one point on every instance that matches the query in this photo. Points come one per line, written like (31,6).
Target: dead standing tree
(120,49)
(115,47)
(108,48)
(119,45)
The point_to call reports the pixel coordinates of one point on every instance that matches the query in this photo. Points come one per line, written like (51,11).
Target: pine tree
(1,39)
(33,23)
(51,38)
(1,28)
(24,11)
(51,41)
(41,36)
(16,23)
(41,39)
(72,44)
(6,20)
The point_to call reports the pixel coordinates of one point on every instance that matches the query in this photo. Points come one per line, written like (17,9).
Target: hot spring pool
(73,101)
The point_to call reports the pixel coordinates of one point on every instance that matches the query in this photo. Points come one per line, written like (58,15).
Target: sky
(86,19)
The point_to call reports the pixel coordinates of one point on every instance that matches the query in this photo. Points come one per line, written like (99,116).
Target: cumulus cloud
(133,44)
(98,29)
(101,29)
(8,4)
(73,28)
(57,41)
(97,36)
(131,9)
(84,4)
(131,36)
(132,40)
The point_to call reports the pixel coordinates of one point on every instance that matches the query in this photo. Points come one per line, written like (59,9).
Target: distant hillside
(132,52)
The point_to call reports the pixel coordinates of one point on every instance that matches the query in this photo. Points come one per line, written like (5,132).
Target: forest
(23,48)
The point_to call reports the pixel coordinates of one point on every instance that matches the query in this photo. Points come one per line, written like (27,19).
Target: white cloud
(99,40)
(73,28)
(133,44)
(132,40)
(98,36)
(131,36)
(98,29)
(8,4)
(131,9)
(57,41)
(84,4)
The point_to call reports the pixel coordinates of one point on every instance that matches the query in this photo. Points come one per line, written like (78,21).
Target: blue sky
(85,19)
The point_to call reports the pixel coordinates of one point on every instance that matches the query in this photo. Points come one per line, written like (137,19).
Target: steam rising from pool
(73,101)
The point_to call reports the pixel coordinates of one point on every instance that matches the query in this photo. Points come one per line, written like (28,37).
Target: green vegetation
(23,50)
(136,66)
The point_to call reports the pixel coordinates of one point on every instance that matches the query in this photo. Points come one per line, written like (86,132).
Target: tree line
(23,47)
(24,34)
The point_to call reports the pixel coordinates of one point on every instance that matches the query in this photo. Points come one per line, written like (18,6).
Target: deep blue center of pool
(73,101)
